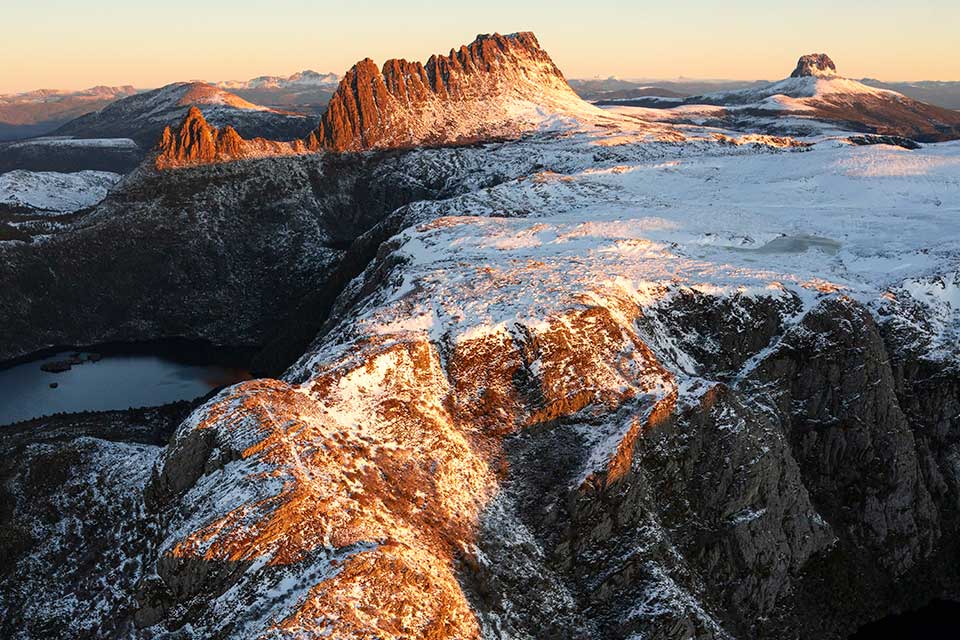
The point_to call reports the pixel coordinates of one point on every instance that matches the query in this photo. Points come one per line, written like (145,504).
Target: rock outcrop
(496,86)
(195,142)
(814,64)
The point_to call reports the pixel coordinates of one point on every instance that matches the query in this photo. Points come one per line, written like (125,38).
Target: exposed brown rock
(409,103)
(197,142)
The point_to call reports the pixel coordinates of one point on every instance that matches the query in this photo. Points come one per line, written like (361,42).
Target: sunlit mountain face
(464,354)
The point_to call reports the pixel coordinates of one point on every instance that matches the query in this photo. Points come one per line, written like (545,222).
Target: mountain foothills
(528,367)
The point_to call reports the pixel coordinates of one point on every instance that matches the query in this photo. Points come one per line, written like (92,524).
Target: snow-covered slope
(798,88)
(43,191)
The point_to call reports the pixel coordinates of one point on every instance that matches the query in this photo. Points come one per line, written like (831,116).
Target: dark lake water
(121,379)
(937,620)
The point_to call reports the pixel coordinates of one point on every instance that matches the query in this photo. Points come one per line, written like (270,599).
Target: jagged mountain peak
(815,65)
(496,86)
(196,142)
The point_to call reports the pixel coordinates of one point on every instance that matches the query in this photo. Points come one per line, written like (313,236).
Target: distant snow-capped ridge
(301,79)
(182,94)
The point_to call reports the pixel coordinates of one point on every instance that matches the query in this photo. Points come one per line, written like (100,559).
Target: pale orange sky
(71,45)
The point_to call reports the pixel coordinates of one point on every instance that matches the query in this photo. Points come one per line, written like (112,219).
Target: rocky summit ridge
(498,85)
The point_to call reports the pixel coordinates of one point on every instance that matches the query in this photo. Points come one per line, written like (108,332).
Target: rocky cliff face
(495,87)
(282,224)
(492,87)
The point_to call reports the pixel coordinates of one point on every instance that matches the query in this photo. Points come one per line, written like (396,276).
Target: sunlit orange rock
(463,96)
(196,142)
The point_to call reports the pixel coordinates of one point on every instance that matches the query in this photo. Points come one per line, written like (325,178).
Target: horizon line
(674,79)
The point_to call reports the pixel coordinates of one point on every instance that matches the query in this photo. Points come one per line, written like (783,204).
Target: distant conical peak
(814,65)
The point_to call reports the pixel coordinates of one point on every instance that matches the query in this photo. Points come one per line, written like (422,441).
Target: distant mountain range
(34,113)
(299,80)
(306,91)
(814,99)
(941,94)
(40,112)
